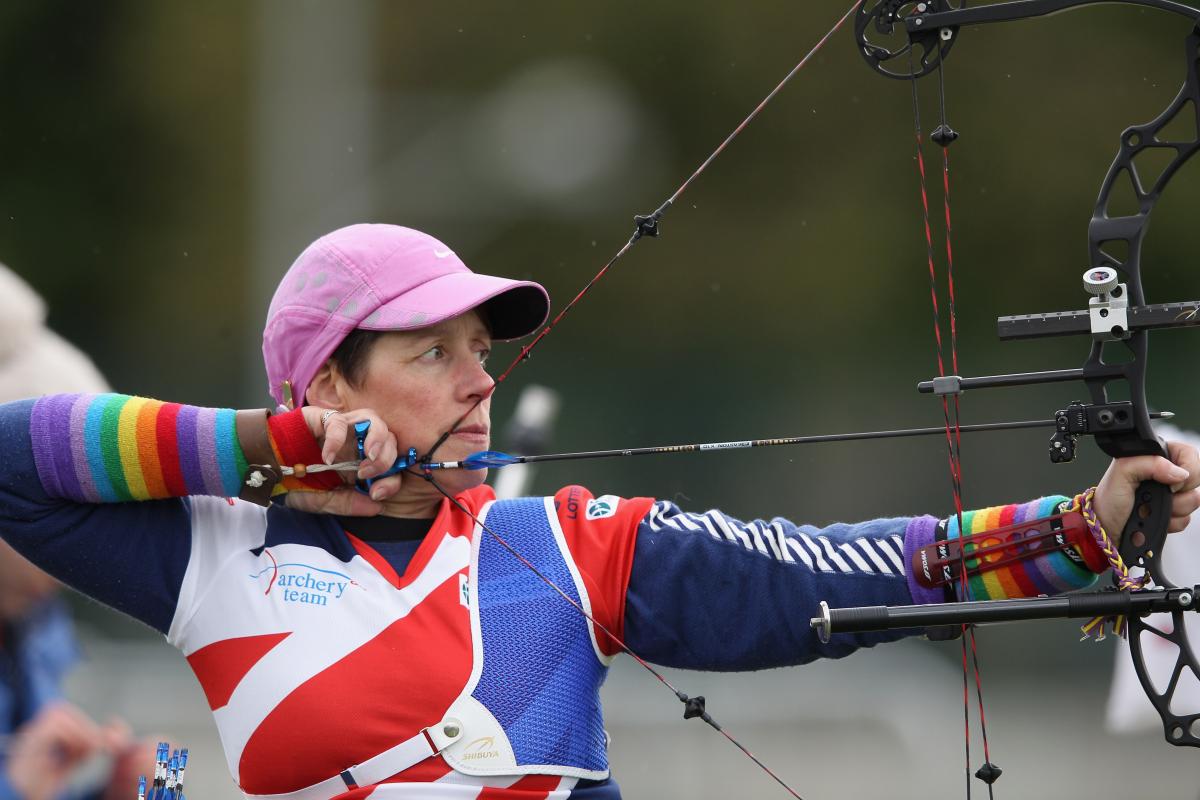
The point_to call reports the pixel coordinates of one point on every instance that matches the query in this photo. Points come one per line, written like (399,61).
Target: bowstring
(950,412)
(987,758)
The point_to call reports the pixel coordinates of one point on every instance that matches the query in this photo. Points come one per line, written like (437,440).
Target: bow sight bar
(1109,318)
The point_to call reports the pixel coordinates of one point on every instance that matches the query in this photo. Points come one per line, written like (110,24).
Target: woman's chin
(460,480)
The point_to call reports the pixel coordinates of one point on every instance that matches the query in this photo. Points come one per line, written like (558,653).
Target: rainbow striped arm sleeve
(108,448)
(1051,574)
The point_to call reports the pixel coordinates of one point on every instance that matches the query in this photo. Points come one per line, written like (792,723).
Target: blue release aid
(360,438)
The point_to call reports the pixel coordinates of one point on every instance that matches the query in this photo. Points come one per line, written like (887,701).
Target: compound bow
(1118,317)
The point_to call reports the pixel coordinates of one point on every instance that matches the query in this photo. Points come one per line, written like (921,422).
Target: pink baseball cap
(380,278)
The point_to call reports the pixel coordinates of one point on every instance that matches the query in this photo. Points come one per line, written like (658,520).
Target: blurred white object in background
(35,360)
(527,434)
(558,128)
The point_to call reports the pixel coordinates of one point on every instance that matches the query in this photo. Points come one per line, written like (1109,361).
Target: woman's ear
(327,389)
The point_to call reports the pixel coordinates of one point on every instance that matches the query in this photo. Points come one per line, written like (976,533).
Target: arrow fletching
(489,459)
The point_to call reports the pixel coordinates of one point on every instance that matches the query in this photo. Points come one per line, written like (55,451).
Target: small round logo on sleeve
(601,507)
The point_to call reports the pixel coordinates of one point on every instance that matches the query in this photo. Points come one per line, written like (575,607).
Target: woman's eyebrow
(426,336)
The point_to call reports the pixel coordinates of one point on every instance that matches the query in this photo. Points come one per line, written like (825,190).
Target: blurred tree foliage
(123,195)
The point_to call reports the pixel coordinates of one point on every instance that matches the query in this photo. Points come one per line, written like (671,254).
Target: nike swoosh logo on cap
(442,253)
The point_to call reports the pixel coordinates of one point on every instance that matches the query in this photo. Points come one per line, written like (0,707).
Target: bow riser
(1130,232)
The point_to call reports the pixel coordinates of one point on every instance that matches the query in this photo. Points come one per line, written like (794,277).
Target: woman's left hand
(1115,494)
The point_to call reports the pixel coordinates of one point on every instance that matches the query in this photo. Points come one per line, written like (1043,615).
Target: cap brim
(513,308)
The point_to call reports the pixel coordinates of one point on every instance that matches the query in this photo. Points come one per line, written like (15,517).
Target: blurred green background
(165,162)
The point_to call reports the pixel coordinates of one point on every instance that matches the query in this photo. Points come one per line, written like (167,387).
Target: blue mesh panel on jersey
(541,678)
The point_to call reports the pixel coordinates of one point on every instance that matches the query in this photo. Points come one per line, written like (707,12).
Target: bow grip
(1145,532)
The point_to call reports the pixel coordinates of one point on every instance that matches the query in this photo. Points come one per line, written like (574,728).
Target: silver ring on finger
(325,417)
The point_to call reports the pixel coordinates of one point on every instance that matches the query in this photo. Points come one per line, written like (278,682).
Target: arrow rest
(1079,419)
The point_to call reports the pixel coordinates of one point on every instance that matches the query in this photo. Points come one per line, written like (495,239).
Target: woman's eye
(483,356)
(434,353)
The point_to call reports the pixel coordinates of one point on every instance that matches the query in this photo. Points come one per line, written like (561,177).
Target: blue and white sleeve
(708,591)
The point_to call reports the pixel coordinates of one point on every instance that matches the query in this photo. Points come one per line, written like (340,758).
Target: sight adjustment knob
(1100,280)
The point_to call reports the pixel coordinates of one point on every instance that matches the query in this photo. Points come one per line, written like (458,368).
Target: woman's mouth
(473,433)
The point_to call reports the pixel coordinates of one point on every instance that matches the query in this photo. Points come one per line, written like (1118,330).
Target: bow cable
(943,136)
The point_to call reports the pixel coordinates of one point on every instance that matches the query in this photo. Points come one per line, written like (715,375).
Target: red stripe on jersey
(356,794)
(384,692)
(428,771)
(372,557)
(603,549)
(453,521)
(449,520)
(221,666)
(531,787)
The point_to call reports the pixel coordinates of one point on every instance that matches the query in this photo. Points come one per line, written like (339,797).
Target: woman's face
(421,383)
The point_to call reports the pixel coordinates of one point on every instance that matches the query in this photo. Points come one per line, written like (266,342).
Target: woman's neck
(420,498)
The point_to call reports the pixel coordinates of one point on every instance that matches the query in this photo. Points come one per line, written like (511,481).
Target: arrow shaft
(750,443)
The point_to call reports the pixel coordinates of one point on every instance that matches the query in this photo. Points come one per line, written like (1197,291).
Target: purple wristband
(921,532)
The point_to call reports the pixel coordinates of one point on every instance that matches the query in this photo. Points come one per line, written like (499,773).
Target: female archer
(423,639)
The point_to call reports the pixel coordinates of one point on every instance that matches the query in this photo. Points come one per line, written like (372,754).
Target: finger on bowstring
(384,488)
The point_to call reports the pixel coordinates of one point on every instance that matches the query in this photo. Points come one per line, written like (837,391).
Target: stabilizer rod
(1082,606)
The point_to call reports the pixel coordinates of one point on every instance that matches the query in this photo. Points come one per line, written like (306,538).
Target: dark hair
(351,355)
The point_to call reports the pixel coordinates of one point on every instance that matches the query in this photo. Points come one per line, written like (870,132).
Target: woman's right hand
(334,431)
